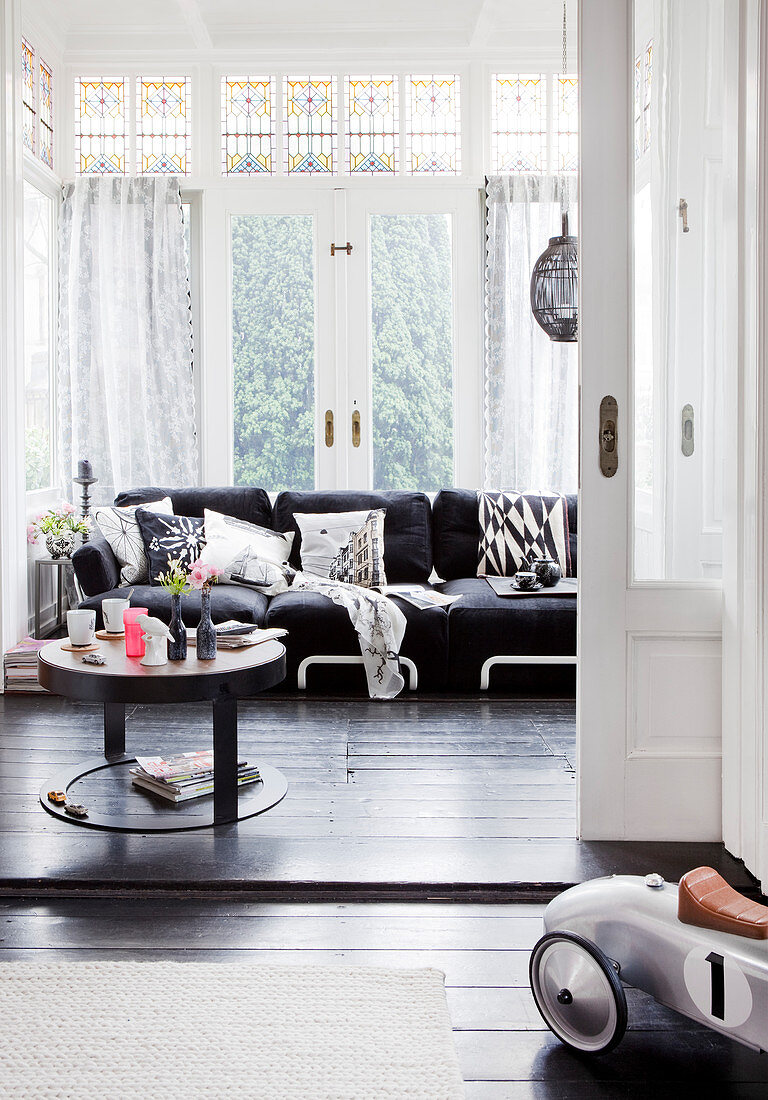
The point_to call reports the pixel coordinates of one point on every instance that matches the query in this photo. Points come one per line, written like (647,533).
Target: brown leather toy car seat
(705,899)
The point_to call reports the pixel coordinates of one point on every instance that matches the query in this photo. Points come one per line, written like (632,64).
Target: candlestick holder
(86,483)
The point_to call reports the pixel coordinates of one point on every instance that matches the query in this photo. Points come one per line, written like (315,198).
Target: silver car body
(717,978)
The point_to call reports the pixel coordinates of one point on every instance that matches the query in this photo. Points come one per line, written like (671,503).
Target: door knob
(329,428)
(686,440)
(609,442)
(355,428)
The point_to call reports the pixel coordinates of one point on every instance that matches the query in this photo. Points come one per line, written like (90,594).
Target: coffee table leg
(224,759)
(114,729)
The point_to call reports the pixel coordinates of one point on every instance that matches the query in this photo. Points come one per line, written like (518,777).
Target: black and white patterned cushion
(344,546)
(514,527)
(120,529)
(226,537)
(169,538)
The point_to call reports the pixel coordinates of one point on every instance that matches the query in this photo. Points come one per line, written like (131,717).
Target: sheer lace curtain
(531,384)
(126,395)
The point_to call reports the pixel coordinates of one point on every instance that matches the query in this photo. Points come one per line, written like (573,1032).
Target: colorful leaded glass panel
(310,127)
(566,151)
(163,129)
(372,124)
(247,126)
(433,125)
(101,112)
(519,123)
(46,115)
(28,94)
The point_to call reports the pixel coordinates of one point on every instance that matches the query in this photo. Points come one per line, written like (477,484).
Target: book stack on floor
(184,776)
(20,666)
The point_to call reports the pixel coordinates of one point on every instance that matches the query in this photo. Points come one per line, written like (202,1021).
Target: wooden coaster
(107,636)
(79,648)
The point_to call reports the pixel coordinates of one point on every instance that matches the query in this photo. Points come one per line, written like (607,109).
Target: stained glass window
(519,127)
(310,127)
(566,137)
(101,112)
(372,135)
(247,126)
(163,130)
(432,125)
(28,94)
(46,115)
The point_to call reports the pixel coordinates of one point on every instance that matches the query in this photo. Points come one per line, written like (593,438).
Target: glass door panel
(273,350)
(412,354)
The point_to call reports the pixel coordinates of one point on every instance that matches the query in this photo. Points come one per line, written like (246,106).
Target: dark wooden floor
(461,798)
(415,799)
(504,1049)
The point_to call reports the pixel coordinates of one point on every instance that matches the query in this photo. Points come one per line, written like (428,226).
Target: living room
(324,330)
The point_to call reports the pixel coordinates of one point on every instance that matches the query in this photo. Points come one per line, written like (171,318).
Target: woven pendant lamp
(555,286)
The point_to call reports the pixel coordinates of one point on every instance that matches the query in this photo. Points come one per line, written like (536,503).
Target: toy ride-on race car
(700,948)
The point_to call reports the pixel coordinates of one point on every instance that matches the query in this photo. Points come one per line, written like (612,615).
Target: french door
(352,366)
(658,284)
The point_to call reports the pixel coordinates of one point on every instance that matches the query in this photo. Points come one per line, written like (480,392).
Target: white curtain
(126,395)
(531,384)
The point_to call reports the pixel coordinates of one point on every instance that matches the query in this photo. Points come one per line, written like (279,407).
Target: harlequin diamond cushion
(169,538)
(121,530)
(517,526)
(344,546)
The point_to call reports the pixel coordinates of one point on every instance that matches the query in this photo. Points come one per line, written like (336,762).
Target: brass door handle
(329,428)
(609,454)
(355,428)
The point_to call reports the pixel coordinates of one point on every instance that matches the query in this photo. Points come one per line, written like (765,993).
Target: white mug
(112,613)
(80,627)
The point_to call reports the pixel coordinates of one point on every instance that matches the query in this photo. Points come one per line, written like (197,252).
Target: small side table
(60,565)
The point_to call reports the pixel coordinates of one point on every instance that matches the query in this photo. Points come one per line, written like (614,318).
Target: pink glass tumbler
(134,642)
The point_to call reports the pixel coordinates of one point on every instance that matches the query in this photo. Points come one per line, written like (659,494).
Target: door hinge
(341,248)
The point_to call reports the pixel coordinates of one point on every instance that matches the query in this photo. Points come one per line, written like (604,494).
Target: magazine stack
(20,666)
(184,776)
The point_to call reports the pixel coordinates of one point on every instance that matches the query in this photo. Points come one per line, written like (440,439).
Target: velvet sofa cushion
(316,625)
(407,525)
(482,625)
(96,567)
(456,532)
(228,601)
(242,502)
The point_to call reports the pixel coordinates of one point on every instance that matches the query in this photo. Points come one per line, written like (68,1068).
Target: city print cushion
(514,527)
(226,537)
(120,529)
(169,538)
(344,546)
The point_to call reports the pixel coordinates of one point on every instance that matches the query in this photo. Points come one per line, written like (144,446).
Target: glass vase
(206,635)
(177,649)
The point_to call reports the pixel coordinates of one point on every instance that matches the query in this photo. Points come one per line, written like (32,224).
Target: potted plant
(201,577)
(175,581)
(61,526)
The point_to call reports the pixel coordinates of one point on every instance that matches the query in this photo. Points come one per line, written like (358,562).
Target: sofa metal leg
(336,659)
(505,659)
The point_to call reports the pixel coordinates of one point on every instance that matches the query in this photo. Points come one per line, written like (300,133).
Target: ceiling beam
(201,36)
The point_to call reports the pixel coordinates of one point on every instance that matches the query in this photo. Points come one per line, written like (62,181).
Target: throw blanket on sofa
(378,622)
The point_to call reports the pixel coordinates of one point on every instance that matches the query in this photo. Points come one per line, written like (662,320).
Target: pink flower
(201,574)
(67,508)
(31,534)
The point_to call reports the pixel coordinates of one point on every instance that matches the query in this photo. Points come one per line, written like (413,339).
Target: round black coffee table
(233,674)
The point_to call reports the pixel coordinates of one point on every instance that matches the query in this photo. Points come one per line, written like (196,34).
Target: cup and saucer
(112,614)
(526,580)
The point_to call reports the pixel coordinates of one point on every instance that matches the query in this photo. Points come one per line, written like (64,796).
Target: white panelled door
(649,688)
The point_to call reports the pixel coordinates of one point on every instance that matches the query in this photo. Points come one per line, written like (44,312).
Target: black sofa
(444,649)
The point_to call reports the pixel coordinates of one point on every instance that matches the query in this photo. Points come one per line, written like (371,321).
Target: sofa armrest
(96,567)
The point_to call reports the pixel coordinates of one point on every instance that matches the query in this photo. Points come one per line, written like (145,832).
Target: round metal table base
(252,799)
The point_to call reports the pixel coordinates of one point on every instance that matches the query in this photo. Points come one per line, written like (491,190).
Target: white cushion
(325,535)
(226,537)
(120,529)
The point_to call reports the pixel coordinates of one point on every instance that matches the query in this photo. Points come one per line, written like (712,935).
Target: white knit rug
(120,1030)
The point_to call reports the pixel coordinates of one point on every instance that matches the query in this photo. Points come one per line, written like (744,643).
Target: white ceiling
(466,27)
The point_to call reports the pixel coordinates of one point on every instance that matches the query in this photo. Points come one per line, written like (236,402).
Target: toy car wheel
(578,993)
